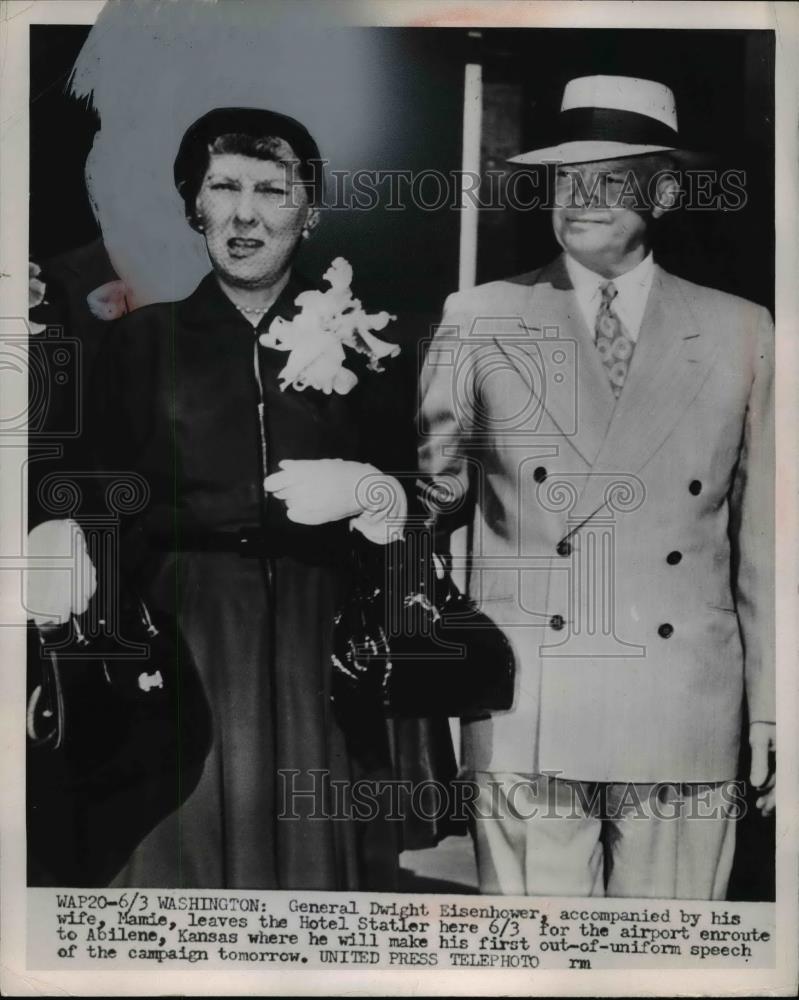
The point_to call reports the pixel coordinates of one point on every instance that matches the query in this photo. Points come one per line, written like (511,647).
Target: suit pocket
(503,610)
(497,604)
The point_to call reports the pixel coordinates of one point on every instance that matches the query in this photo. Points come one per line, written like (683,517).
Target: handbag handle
(147,620)
(46,701)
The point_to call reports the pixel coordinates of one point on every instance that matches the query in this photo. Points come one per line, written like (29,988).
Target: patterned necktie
(614,346)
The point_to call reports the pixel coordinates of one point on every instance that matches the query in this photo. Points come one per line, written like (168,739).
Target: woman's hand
(319,491)
(332,489)
(60,579)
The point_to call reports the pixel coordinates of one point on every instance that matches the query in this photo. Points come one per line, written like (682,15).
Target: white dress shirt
(629,305)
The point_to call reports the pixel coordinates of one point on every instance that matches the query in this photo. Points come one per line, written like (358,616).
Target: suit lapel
(672,359)
(575,392)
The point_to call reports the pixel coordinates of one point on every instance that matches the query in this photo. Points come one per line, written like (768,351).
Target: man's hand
(62,579)
(763,740)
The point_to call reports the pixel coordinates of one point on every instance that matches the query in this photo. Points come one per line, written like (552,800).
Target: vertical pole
(467,271)
(470,167)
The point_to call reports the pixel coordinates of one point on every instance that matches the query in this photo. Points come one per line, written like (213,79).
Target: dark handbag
(413,645)
(118,729)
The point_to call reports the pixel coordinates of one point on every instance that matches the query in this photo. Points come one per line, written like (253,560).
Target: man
(613,424)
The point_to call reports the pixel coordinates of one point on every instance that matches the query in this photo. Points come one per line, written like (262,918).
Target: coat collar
(208,304)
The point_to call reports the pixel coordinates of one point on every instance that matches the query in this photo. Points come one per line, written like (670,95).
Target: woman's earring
(306,232)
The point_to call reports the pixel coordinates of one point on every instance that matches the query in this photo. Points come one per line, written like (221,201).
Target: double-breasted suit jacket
(625,546)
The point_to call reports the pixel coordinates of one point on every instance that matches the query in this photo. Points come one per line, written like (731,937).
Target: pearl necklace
(253,310)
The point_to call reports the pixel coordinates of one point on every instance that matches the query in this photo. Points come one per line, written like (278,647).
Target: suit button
(539,474)
(557,622)
(673,558)
(564,548)
(665,630)
(695,487)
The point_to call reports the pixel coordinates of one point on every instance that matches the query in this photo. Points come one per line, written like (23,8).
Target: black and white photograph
(399,447)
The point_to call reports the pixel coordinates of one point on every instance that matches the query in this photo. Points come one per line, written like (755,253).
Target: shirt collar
(633,291)
(584,280)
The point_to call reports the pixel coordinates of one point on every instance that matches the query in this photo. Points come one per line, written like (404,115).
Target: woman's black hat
(192,159)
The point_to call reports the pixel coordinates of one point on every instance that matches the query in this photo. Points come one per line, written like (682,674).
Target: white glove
(332,489)
(62,580)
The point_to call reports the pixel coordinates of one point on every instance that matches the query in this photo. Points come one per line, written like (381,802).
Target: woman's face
(252,213)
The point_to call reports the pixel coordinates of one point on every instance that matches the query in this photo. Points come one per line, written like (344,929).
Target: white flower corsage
(315,338)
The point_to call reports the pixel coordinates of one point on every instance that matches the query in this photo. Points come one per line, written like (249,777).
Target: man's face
(602,215)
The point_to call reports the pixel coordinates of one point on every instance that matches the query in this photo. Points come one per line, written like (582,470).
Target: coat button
(695,487)
(564,548)
(539,474)
(665,630)
(557,622)
(673,558)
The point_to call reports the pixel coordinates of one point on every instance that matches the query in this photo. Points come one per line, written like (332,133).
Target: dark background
(61,133)
(408,261)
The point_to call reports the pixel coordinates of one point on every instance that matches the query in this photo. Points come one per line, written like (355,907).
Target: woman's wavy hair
(263,135)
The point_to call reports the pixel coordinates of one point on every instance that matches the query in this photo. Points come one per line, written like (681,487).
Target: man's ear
(667,193)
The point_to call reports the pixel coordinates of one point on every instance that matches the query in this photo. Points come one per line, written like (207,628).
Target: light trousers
(541,836)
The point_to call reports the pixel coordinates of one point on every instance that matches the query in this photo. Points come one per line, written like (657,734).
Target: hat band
(612,125)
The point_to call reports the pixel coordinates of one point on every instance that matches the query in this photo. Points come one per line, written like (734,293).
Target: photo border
(16,16)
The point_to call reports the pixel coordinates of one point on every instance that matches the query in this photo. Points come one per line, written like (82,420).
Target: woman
(254,575)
